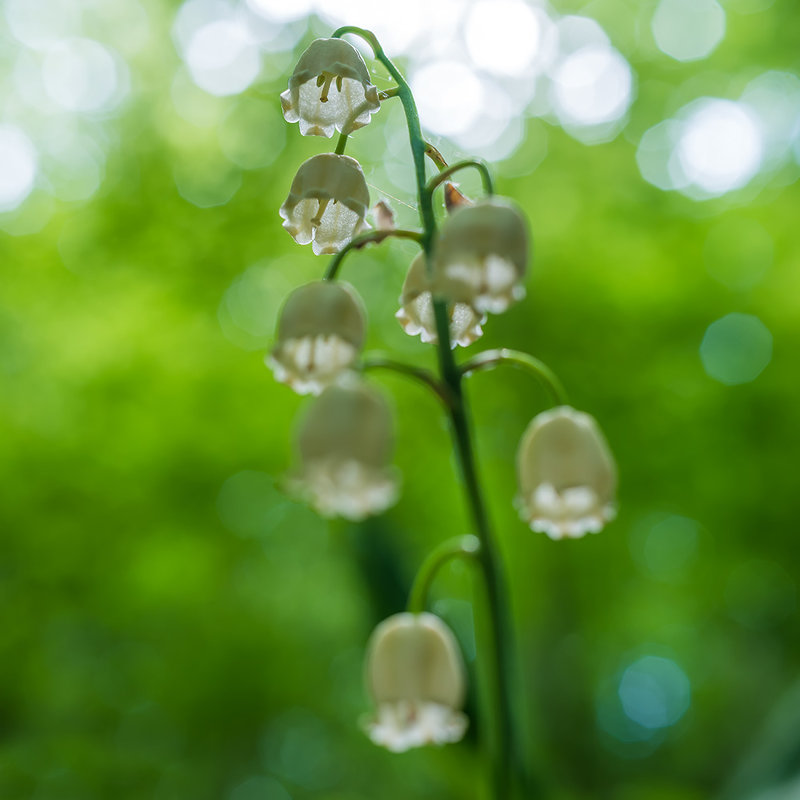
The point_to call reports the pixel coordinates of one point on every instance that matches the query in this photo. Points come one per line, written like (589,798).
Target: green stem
(418,373)
(373,237)
(341,144)
(486,176)
(462,547)
(507,767)
(516,358)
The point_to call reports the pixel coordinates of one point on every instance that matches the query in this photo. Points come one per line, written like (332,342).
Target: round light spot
(252,133)
(736,349)
(654,692)
(503,36)
(498,130)
(18,163)
(74,166)
(81,75)
(42,23)
(575,33)
(222,57)
(738,252)
(654,155)
(449,96)
(670,546)
(300,748)
(688,29)
(249,308)
(207,184)
(774,97)
(397,25)
(592,86)
(280,10)
(720,148)
(193,15)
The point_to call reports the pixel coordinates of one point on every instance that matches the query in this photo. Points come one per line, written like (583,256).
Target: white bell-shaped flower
(330,90)
(415,677)
(567,477)
(416,310)
(327,203)
(320,334)
(481,256)
(345,444)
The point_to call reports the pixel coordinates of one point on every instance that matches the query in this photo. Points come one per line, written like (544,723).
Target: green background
(174,627)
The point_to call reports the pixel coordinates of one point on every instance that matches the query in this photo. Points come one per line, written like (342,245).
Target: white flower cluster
(476,266)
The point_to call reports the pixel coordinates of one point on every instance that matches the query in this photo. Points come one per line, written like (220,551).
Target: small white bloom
(416,310)
(567,477)
(345,444)
(320,334)
(330,90)
(415,677)
(481,256)
(327,203)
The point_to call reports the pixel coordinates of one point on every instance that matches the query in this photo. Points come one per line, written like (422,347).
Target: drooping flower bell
(481,256)
(320,334)
(567,477)
(415,677)
(330,90)
(327,203)
(416,310)
(345,444)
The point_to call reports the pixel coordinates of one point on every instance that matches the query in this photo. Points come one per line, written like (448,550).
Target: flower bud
(416,315)
(330,89)
(481,256)
(345,444)
(320,333)
(327,203)
(415,677)
(567,477)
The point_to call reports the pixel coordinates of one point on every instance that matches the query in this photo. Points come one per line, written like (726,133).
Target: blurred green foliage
(174,627)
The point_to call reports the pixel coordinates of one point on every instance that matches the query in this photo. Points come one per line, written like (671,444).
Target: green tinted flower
(320,334)
(481,256)
(415,677)
(567,477)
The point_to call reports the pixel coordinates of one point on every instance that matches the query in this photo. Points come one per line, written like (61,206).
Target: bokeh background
(173,626)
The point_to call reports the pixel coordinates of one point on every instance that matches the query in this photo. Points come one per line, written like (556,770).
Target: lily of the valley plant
(473,261)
